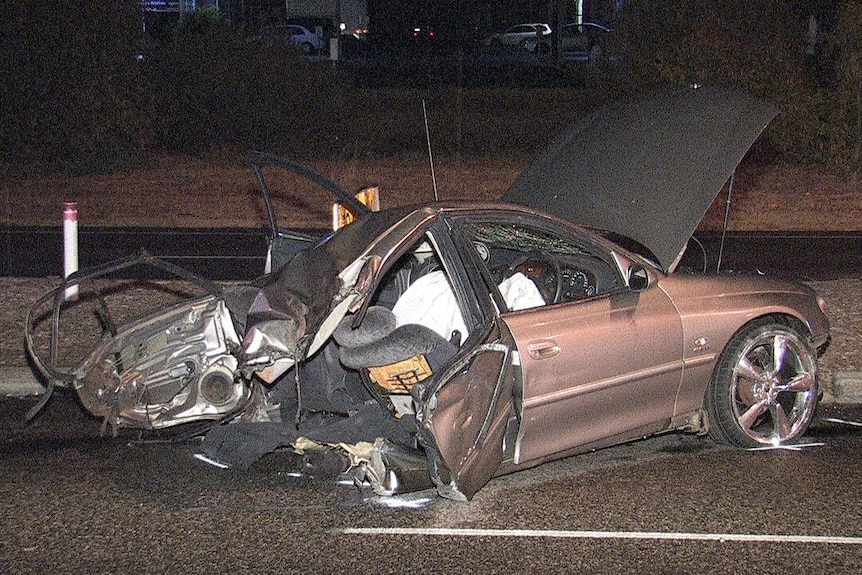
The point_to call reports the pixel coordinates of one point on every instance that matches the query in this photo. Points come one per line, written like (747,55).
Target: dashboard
(559,282)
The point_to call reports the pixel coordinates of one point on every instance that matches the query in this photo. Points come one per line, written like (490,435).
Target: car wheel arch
(780,317)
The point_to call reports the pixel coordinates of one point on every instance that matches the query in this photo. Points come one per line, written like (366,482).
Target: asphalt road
(73,502)
(223,254)
(236,254)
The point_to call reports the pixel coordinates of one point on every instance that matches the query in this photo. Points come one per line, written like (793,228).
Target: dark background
(91,87)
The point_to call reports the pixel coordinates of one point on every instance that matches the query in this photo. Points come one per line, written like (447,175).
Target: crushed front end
(173,365)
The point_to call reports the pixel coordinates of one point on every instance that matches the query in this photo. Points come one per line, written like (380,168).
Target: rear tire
(764,388)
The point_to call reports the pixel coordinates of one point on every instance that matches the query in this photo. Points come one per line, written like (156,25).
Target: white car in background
(522,35)
(304,39)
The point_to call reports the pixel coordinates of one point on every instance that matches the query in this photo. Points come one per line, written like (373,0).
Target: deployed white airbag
(430,301)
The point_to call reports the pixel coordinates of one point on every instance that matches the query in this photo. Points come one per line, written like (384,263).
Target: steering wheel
(543,269)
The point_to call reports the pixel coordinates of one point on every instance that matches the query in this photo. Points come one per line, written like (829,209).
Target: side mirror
(638,278)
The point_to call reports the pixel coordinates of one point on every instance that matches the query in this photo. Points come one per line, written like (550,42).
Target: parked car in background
(294,35)
(589,41)
(304,39)
(422,33)
(586,41)
(522,36)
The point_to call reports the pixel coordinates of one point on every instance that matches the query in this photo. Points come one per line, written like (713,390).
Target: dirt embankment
(219,192)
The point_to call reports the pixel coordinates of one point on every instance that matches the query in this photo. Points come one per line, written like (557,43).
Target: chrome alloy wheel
(764,389)
(774,388)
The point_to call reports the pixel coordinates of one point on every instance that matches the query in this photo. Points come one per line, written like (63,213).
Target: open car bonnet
(646,168)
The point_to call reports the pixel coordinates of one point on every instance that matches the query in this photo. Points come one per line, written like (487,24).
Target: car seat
(395,358)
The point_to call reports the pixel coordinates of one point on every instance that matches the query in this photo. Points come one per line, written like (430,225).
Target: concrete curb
(19,382)
(22,382)
(847,386)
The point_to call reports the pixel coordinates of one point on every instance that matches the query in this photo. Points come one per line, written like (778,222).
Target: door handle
(543,349)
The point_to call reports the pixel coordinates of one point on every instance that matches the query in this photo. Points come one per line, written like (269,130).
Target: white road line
(554,534)
(844,421)
(788,447)
(211,461)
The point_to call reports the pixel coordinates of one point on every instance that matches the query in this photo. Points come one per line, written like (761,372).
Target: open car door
(284,244)
(464,412)
(464,418)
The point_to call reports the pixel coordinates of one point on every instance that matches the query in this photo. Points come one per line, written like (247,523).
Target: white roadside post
(70,246)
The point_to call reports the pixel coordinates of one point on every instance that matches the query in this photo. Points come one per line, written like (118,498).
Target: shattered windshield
(516,237)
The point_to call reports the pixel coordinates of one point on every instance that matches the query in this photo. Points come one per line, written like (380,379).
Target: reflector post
(70,246)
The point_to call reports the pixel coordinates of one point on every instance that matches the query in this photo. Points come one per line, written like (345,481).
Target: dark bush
(212,87)
(72,95)
(842,141)
(88,89)
(754,46)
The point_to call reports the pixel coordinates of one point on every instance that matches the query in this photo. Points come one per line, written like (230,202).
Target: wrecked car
(441,345)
